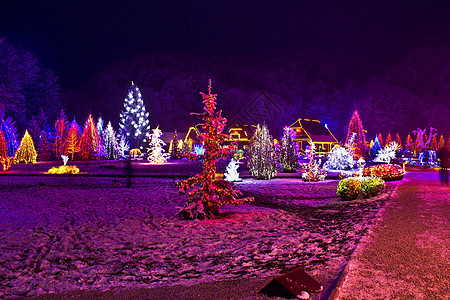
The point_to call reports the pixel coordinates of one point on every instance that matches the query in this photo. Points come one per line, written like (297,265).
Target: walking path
(407,253)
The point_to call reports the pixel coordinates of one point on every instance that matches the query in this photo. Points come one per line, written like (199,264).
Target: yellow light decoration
(6,162)
(64,170)
(26,152)
(135,152)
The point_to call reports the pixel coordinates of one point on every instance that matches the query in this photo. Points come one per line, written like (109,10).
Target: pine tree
(34,129)
(3,150)
(356,133)
(44,147)
(409,143)
(89,140)
(380,139)
(134,122)
(205,194)
(73,139)
(399,142)
(156,151)
(111,145)
(262,161)
(26,152)
(124,146)
(434,144)
(376,147)
(388,139)
(288,151)
(101,149)
(441,142)
(174,150)
(8,127)
(61,124)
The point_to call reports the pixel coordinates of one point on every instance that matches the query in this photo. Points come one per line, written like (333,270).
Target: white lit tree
(134,124)
(339,159)
(110,143)
(123,146)
(156,151)
(288,151)
(387,154)
(262,160)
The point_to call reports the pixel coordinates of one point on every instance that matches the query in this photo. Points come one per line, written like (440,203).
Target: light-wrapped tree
(89,140)
(288,151)
(110,143)
(61,127)
(355,133)
(262,160)
(134,124)
(175,150)
(73,139)
(205,193)
(156,151)
(26,152)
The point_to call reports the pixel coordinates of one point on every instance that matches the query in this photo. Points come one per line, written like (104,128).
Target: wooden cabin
(241,134)
(312,130)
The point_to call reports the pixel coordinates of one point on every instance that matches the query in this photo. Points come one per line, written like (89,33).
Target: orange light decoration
(73,141)
(3,149)
(205,194)
(6,162)
(387,172)
(26,152)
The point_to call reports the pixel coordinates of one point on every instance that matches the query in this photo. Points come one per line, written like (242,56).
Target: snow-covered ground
(68,233)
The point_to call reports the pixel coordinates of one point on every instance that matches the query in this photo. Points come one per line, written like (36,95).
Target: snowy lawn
(68,233)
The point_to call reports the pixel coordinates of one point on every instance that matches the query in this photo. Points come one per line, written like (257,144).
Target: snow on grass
(71,233)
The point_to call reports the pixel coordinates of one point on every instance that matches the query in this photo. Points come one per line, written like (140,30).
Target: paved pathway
(407,254)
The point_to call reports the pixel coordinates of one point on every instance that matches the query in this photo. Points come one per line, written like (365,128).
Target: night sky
(76,39)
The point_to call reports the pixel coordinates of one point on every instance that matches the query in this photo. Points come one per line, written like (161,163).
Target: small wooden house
(241,134)
(312,130)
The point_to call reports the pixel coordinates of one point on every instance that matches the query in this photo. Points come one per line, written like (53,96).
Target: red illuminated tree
(205,193)
(441,142)
(398,141)
(380,139)
(356,136)
(3,150)
(388,140)
(61,125)
(409,145)
(89,139)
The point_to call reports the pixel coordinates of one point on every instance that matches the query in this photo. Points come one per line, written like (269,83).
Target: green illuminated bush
(359,187)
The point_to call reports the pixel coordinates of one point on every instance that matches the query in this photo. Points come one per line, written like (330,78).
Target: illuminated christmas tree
(409,145)
(101,148)
(73,139)
(380,139)
(111,145)
(355,133)
(441,142)
(376,147)
(175,150)
(339,159)
(89,140)
(399,142)
(262,160)
(205,194)
(434,144)
(156,151)
(61,126)
(388,139)
(26,152)
(288,151)
(134,122)
(3,150)
(123,146)
(8,126)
